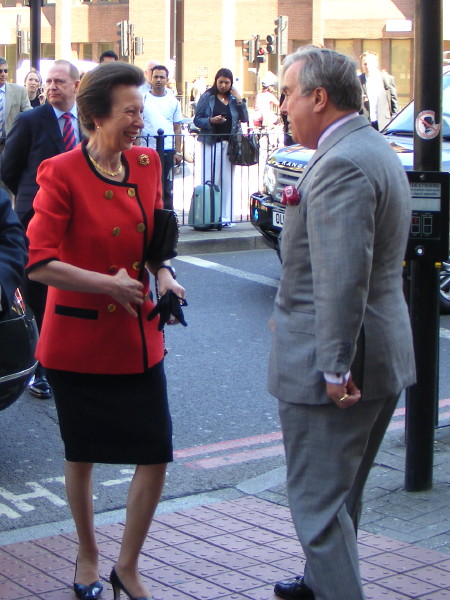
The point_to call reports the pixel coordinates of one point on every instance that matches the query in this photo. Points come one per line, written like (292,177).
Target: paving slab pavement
(232,550)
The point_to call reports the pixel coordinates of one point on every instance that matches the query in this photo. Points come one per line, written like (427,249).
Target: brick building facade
(197,37)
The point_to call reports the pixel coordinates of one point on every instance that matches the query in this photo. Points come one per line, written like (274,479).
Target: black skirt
(114,419)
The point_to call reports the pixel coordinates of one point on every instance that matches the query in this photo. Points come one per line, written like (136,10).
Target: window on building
(345,47)
(48,51)
(401,68)
(371,46)
(85,51)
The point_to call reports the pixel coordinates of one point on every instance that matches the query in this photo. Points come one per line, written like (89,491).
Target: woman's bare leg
(143,497)
(80,496)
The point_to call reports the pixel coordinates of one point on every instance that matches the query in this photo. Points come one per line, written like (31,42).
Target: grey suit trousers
(329,454)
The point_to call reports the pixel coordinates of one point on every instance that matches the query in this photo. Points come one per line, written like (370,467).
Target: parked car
(285,166)
(18,339)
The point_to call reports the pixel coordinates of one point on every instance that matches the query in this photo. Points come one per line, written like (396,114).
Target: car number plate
(277,219)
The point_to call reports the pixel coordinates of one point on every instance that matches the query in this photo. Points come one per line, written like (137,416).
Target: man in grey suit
(13,100)
(342,346)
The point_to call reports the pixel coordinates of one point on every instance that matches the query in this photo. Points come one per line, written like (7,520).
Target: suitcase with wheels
(205,210)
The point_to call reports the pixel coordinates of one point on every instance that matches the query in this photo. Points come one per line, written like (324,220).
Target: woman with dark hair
(33,85)
(218,115)
(94,219)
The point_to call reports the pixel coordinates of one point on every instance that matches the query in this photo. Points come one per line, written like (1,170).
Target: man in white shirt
(163,111)
(380,102)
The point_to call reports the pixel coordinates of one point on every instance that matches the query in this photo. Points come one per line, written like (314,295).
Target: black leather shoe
(293,589)
(40,388)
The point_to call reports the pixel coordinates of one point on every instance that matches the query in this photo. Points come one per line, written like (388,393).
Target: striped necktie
(68,133)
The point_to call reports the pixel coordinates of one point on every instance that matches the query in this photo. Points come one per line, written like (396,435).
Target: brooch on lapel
(144,160)
(290,196)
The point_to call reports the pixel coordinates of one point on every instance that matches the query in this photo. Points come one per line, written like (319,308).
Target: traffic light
(139,46)
(261,56)
(23,41)
(256,46)
(122,33)
(271,44)
(281,32)
(248,50)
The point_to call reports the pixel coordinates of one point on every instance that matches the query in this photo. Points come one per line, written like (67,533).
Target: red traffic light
(261,51)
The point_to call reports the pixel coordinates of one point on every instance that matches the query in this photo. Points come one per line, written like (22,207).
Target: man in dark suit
(342,345)
(35,136)
(13,252)
(380,102)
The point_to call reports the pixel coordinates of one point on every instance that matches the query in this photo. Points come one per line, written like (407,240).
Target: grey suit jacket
(340,303)
(16,101)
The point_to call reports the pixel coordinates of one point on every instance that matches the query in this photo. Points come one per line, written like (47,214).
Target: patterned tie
(68,133)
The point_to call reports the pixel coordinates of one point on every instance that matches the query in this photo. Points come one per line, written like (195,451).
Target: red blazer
(101,225)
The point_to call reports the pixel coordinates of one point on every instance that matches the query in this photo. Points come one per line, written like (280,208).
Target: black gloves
(168,306)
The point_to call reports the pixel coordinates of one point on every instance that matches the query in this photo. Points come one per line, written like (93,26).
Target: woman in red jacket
(94,216)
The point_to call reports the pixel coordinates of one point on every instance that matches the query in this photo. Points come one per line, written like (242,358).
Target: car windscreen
(403,123)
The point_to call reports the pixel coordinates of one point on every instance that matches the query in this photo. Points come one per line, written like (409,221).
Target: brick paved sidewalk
(233,550)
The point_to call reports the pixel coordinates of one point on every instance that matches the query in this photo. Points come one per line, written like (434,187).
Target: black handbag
(243,149)
(163,245)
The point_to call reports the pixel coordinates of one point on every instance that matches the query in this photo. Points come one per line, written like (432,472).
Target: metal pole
(160,150)
(421,399)
(35,31)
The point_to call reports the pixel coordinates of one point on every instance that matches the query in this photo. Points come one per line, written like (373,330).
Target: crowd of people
(86,194)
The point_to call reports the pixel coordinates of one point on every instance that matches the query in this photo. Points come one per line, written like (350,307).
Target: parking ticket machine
(428,236)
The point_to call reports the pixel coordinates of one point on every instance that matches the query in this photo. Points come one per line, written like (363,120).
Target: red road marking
(229,445)
(236,458)
(274,449)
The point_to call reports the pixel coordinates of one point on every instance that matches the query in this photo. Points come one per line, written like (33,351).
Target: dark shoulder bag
(243,149)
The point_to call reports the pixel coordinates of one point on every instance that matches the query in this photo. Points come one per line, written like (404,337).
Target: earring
(97,128)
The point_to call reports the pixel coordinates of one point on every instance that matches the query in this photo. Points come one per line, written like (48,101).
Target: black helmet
(18,339)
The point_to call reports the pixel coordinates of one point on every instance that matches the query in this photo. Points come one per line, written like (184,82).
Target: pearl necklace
(104,171)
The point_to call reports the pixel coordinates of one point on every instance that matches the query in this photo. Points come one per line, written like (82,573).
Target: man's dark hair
(95,95)
(108,54)
(160,68)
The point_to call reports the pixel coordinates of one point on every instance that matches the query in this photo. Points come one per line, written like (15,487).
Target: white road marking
(207,264)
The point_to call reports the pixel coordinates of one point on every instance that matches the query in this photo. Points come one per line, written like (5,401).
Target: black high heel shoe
(118,586)
(92,591)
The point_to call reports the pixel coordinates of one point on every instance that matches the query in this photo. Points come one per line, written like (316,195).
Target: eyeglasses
(3,70)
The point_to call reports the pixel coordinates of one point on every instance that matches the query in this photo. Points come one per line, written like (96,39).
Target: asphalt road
(226,429)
